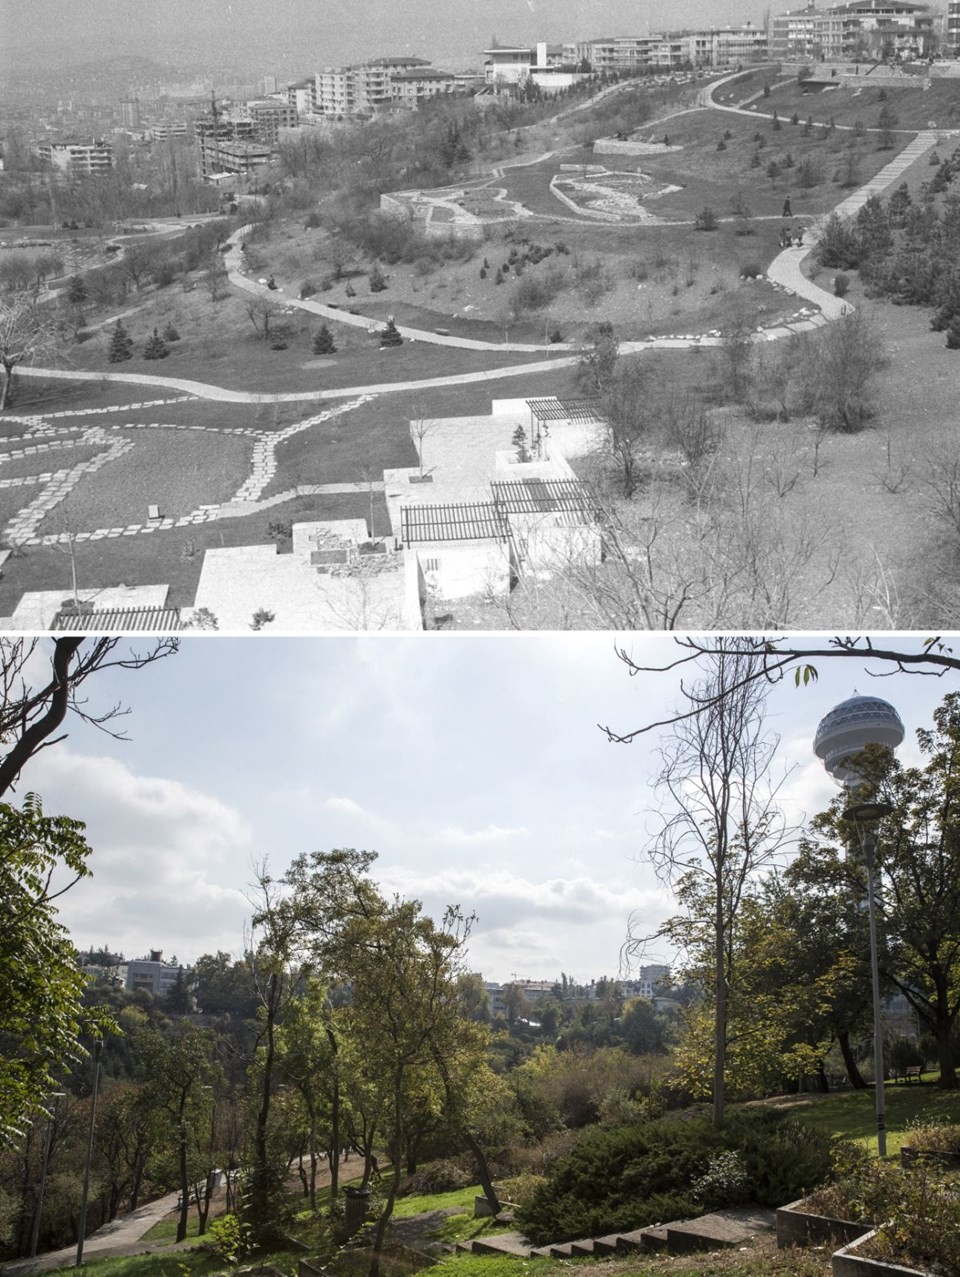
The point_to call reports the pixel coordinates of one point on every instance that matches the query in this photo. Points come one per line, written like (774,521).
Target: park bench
(153,513)
(913,1071)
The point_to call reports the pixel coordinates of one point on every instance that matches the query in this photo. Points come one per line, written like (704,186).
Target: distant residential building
(868,29)
(229,146)
(79,158)
(952,33)
(513,64)
(713,47)
(269,116)
(303,97)
(795,35)
(130,114)
(410,88)
(371,88)
(164,132)
(649,981)
(155,975)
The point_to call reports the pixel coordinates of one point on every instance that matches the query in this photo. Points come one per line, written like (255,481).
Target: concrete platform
(720,1229)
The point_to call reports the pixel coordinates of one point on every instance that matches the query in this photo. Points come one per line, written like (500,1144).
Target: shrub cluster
(626,1177)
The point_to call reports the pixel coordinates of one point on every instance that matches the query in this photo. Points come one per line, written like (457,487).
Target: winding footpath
(785,272)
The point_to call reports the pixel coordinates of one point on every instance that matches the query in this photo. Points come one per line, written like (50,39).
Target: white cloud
(470,837)
(343,804)
(166,858)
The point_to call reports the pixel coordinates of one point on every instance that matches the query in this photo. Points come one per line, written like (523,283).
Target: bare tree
(27,332)
(261,314)
(421,427)
(631,411)
(32,714)
(720,824)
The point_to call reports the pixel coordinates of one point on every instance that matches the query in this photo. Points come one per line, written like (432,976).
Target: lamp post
(864,817)
(56,1096)
(82,1223)
(841,738)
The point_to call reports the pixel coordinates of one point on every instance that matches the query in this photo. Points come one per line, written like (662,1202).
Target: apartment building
(268,116)
(303,97)
(371,88)
(79,158)
(868,29)
(154,975)
(726,46)
(410,88)
(229,147)
(952,30)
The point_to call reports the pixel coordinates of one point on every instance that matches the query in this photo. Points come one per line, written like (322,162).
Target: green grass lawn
(851,1114)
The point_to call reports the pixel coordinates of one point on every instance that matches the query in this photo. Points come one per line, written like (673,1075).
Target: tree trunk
(849,1063)
(334,1121)
(948,1072)
(396,1154)
(184,1182)
(720,1013)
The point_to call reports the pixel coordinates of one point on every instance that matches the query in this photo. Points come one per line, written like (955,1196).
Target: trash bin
(355,1208)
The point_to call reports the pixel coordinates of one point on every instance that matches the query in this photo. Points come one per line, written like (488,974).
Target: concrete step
(502,1244)
(717,1230)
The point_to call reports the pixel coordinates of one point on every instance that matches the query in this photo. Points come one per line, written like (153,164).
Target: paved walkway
(118,1237)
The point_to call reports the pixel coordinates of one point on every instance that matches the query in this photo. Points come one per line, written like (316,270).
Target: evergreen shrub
(625,1177)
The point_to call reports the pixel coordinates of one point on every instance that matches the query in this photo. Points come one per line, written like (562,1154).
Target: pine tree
(390,336)
(377,279)
(170,333)
(323,343)
(156,347)
(121,344)
(76,291)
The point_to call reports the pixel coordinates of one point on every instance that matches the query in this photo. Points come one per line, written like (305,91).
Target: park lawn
(177,470)
(913,105)
(851,1115)
(709,175)
(250,365)
(349,448)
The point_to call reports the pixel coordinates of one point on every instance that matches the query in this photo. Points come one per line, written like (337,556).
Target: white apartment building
(370,88)
(868,29)
(79,159)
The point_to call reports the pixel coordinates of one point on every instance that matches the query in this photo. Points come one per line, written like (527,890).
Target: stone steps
(708,1232)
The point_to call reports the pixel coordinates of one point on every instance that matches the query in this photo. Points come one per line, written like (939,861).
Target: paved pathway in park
(114,1238)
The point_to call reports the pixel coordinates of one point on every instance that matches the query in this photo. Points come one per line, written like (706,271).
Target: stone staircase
(708,1232)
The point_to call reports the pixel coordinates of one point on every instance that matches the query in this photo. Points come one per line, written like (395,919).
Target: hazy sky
(296,37)
(472,764)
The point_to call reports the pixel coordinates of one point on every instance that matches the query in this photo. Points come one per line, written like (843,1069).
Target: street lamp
(56,1096)
(82,1223)
(842,736)
(864,817)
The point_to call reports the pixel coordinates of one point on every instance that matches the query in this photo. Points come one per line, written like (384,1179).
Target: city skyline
(475,767)
(304,35)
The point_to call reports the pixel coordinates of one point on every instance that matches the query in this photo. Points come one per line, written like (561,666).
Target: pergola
(543,411)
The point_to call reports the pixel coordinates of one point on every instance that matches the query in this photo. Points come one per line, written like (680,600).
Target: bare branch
(775,658)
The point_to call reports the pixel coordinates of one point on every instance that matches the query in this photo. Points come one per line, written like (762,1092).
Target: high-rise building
(130,113)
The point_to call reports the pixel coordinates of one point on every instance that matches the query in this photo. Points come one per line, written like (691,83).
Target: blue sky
(473,765)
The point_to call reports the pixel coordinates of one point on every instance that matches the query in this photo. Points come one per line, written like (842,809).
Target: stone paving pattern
(22,527)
